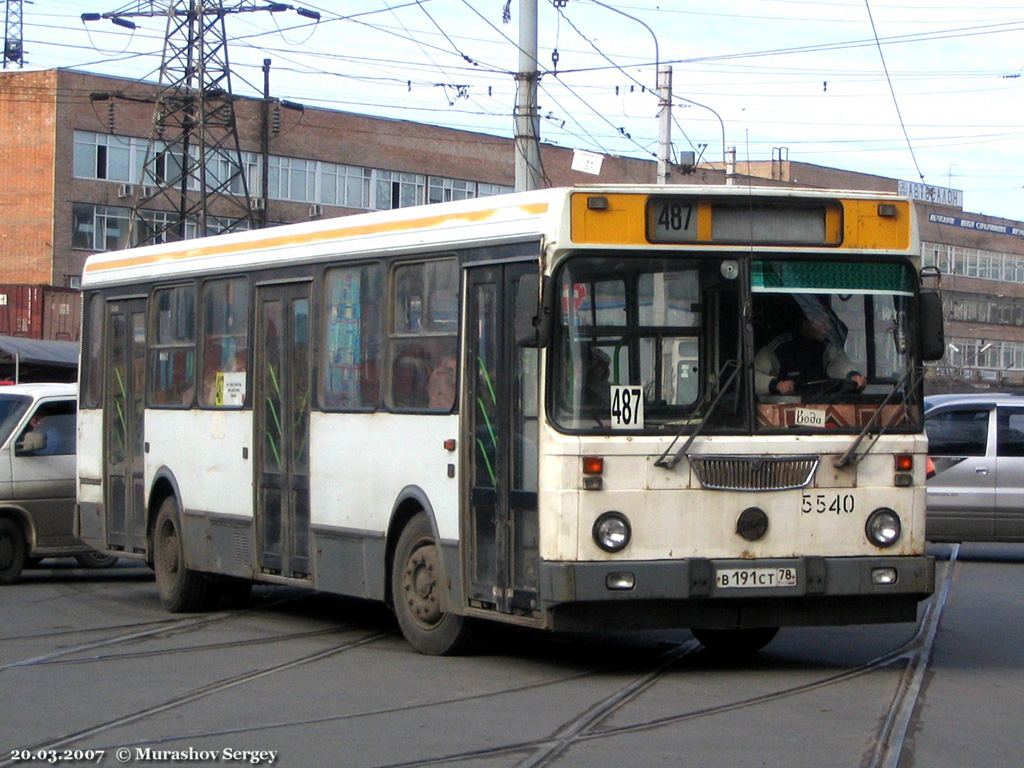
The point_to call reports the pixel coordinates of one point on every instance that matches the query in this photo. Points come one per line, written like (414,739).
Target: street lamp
(966,363)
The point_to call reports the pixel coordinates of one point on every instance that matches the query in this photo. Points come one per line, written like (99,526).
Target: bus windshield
(647,343)
(831,340)
(639,340)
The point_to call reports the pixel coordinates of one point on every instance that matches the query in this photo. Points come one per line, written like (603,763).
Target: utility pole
(194,163)
(527,124)
(664,123)
(14,51)
(265,144)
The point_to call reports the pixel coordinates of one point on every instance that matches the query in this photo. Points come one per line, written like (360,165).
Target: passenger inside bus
(441,386)
(596,377)
(808,354)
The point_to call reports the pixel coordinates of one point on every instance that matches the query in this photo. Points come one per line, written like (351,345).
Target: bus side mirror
(532,316)
(931,335)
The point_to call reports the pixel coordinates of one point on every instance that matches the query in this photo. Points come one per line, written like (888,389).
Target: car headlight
(611,531)
(883,527)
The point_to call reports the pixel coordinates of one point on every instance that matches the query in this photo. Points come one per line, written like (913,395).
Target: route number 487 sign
(627,407)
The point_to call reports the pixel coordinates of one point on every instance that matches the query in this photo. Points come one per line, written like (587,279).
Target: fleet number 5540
(827,503)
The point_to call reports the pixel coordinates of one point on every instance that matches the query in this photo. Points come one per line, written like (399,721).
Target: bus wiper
(668,462)
(850,456)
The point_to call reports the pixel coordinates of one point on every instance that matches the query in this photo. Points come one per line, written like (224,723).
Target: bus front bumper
(735,593)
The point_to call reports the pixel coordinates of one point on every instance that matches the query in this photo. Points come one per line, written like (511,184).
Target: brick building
(72,145)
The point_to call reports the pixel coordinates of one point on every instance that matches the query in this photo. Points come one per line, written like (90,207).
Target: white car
(976,442)
(37,479)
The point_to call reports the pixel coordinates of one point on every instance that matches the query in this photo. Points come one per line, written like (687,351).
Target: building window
(487,190)
(442,190)
(292,178)
(398,190)
(108,157)
(99,227)
(345,185)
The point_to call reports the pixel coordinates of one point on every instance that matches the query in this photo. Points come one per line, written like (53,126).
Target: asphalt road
(90,663)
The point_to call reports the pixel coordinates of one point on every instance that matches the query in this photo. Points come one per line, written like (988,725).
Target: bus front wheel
(417,592)
(182,590)
(735,642)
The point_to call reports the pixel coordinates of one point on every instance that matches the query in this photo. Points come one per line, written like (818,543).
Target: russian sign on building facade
(931,194)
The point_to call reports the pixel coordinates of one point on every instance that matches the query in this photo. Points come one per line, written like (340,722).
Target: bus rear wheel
(735,642)
(182,590)
(13,551)
(417,593)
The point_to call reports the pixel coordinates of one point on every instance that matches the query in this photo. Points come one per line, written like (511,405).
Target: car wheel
(95,559)
(182,590)
(13,551)
(416,592)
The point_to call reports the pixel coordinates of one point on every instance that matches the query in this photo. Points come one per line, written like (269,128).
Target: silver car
(976,442)
(37,479)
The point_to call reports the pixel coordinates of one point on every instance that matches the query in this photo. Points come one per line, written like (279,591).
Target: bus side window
(423,344)
(172,354)
(225,342)
(352,337)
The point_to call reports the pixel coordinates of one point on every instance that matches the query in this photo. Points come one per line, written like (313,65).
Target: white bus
(549,409)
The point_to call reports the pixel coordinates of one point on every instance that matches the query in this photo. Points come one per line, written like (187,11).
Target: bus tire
(735,642)
(13,551)
(182,590)
(417,594)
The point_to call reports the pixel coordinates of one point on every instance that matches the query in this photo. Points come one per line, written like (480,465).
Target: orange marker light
(593,465)
(904,462)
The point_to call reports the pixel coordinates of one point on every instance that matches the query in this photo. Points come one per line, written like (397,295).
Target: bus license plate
(738,578)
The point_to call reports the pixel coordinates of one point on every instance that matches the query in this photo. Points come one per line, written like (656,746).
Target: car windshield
(641,339)
(832,340)
(12,408)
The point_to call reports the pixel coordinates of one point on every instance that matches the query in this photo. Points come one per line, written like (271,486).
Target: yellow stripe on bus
(308,238)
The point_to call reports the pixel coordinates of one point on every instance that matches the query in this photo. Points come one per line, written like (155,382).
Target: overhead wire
(895,101)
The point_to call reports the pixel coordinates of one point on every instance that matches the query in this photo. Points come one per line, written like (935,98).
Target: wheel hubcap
(419,584)
(169,550)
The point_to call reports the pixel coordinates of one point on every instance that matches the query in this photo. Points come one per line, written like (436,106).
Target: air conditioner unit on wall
(256,204)
(148,191)
(316,210)
(126,190)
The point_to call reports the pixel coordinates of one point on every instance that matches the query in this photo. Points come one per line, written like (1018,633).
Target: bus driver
(792,360)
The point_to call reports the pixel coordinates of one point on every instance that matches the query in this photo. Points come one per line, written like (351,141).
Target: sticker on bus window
(627,407)
(809,417)
(230,389)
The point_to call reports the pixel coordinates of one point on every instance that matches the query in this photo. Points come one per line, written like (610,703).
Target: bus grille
(754,473)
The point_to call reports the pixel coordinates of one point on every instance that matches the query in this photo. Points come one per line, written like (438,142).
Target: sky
(921,90)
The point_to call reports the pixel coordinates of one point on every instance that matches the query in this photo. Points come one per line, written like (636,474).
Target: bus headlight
(611,531)
(883,527)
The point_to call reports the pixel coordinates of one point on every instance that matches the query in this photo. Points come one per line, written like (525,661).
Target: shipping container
(40,312)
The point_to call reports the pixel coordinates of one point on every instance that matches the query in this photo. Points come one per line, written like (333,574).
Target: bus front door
(500,521)
(123,428)
(281,421)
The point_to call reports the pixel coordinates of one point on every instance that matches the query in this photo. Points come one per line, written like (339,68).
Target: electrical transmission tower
(194,162)
(14,52)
